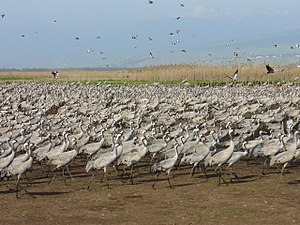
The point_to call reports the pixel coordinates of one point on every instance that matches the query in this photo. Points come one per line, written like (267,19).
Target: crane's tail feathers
(89,165)
(155,168)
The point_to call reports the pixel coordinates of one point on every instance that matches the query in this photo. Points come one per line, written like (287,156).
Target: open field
(36,114)
(167,73)
(254,199)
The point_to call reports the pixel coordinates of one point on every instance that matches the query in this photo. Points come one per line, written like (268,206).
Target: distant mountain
(279,48)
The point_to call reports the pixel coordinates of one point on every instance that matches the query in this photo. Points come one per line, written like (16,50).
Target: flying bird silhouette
(234,77)
(2,15)
(271,69)
(150,2)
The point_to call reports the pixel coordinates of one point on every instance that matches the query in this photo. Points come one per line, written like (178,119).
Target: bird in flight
(90,50)
(77,38)
(2,15)
(234,77)
(184,51)
(151,55)
(271,69)
(178,17)
(150,38)
(150,2)
(98,37)
(181,5)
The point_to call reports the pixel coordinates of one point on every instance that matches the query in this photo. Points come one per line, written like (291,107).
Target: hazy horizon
(37,34)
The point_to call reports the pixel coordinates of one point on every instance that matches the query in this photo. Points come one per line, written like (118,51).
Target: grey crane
(157,146)
(165,165)
(234,77)
(57,150)
(102,162)
(236,156)
(93,147)
(271,69)
(133,157)
(63,160)
(286,156)
(222,157)
(19,166)
(271,148)
(200,152)
(40,153)
(5,161)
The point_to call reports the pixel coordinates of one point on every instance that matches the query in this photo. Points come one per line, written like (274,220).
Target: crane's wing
(269,69)
(228,76)
(235,75)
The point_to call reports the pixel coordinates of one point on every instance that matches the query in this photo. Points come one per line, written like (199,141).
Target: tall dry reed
(249,72)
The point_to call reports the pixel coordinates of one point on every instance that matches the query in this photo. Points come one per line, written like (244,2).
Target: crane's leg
(192,171)
(63,174)
(88,187)
(70,173)
(116,170)
(131,179)
(106,181)
(264,167)
(104,175)
(284,165)
(49,168)
(203,171)
(137,169)
(232,173)
(178,166)
(122,175)
(168,178)
(17,188)
(7,184)
(219,172)
(153,185)
(52,178)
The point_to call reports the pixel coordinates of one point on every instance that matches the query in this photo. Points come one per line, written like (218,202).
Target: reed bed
(165,73)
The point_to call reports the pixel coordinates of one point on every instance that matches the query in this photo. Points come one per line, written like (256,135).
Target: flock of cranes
(157,127)
(151,51)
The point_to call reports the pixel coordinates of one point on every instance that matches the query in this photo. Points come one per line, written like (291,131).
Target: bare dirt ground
(253,199)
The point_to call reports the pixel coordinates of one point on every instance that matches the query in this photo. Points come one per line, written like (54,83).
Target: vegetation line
(170,74)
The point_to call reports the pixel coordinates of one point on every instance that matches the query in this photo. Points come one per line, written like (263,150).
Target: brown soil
(253,199)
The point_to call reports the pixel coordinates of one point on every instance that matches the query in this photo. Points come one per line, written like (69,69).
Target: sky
(119,33)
